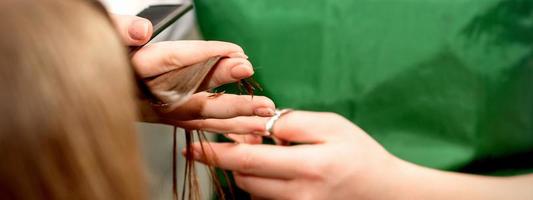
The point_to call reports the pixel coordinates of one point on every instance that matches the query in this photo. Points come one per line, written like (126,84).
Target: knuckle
(246,162)
(240,182)
(263,101)
(174,60)
(244,102)
(216,80)
(245,99)
(316,169)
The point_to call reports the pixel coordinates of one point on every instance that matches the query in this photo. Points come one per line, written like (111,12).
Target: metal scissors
(167,91)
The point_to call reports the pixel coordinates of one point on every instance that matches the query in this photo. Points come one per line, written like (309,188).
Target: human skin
(338,160)
(158,58)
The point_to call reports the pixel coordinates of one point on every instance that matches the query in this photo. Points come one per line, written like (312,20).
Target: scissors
(169,90)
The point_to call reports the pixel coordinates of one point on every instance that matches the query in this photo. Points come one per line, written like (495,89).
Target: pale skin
(158,58)
(337,159)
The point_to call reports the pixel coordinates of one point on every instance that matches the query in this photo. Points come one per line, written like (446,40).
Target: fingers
(161,57)
(264,188)
(238,125)
(296,126)
(228,70)
(134,31)
(257,160)
(247,139)
(310,127)
(203,106)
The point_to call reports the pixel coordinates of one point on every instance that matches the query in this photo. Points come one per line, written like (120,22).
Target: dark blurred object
(169,90)
(162,16)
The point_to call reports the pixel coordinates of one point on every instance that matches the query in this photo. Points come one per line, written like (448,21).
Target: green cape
(442,83)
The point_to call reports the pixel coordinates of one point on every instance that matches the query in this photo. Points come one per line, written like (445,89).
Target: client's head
(67,107)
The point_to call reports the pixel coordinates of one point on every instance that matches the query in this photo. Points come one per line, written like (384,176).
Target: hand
(336,159)
(158,58)
(133,30)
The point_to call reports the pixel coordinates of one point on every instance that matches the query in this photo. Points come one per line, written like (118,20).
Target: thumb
(133,30)
(310,127)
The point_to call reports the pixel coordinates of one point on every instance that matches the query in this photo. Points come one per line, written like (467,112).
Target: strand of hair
(174,165)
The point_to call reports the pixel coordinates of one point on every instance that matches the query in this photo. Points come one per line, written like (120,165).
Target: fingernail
(242,71)
(138,29)
(238,55)
(264,112)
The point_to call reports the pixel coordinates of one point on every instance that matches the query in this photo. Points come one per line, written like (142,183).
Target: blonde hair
(67,107)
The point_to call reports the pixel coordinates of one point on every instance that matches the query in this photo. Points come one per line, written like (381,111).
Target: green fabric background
(441,83)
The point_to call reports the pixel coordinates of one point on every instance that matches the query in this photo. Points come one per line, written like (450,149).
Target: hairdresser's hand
(158,58)
(337,160)
(161,57)
(133,30)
